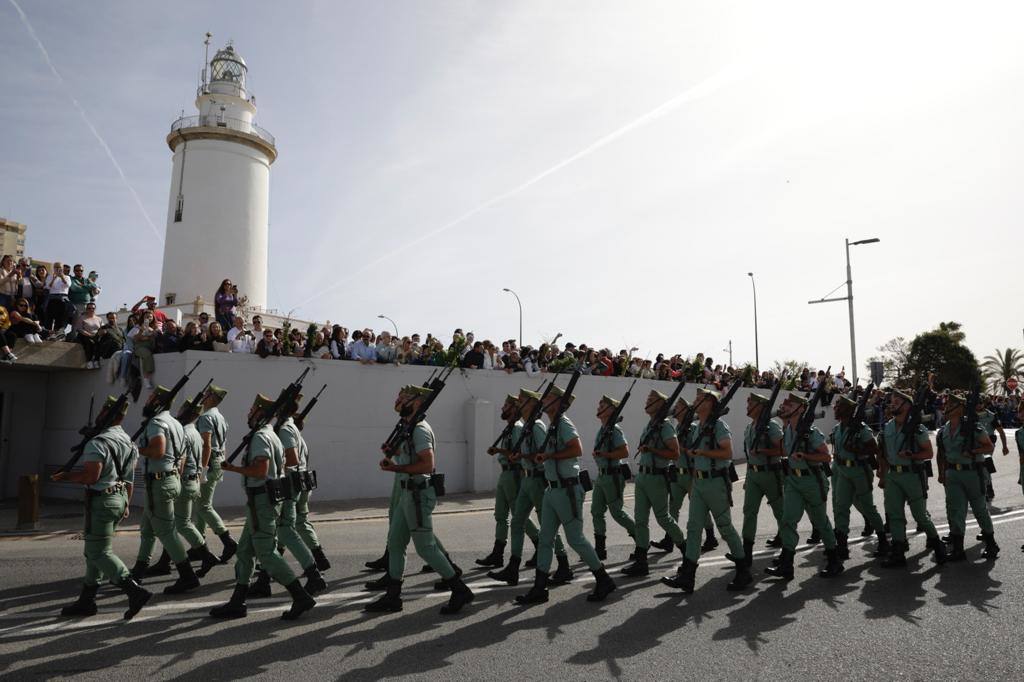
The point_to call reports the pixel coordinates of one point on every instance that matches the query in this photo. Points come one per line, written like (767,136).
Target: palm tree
(1005,364)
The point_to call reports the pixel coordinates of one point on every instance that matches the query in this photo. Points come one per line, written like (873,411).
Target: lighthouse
(218,212)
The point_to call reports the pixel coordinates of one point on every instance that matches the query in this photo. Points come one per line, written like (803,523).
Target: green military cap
(956,398)
(846,401)
(657,394)
(757,397)
(903,396)
(262,402)
(509,398)
(798,399)
(610,401)
(111,401)
(526,394)
(707,391)
(417,391)
(558,392)
(160,391)
(217,392)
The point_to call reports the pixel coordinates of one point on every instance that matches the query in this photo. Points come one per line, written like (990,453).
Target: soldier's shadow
(899,592)
(969,583)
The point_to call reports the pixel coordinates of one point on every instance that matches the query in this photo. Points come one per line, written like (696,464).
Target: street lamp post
(757,350)
(849,299)
(520,315)
(385,317)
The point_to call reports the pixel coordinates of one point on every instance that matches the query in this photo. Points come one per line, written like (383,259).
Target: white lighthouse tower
(217,218)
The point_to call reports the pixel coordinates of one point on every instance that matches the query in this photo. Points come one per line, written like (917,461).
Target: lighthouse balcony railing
(222,122)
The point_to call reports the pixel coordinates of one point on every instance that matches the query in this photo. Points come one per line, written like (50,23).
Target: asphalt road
(959,621)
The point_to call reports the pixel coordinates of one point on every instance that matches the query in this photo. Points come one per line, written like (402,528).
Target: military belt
(160,475)
(848,463)
(979,466)
(112,490)
(564,483)
(610,470)
(651,470)
(508,467)
(538,473)
(801,472)
(715,473)
(765,467)
(191,477)
(906,469)
(412,485)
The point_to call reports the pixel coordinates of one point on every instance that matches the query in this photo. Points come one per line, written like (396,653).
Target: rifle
(403,429)
(970,425)
(721,409)
(910,426)
(90,430)
(661,415)
(764,420)
(166,402)
(534,415)
(803,427)
(615,418)
(563,406)
(193,406)
(287,395)
(856,422)
(507,431)
(397,429)
(300,418)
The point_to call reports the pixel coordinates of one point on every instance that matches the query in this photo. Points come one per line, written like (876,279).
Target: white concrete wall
(355,414)
(225,221)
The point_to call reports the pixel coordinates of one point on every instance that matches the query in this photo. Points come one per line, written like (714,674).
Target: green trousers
(203,513)
(806,493)
(677,492)
(258,542)
(608,499)
(302,525)
(531,496)
(557,509)
(183,507)
(710,496)
(288,536)
(965,488)
(901,489)
(411,519)
(853,486)
(504,501)
(757,486)
(104,512)
(158,520)
(651,495)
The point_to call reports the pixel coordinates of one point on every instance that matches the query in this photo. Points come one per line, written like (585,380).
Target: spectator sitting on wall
(257,326)
(473,358)
(168,338)
(82,290)
(243,340)
(386,351)
(143,336)
(492,359)
(87,329)
(204,322)
(10,281)
(111,337)
(361,349)
(218,341)
(7,338)
(191,338)
(339,342)
(320,349)
(24,324)
(236,328)
(268,345)
(150,305)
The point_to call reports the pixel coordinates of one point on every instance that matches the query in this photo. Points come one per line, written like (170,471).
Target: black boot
(538,594)
(208,558)
(322,564)
(939,550)
(380,564)
(442,584)
(509,574)
(230,547)
(815,537)
(991,548)
(186,581)
(86,604)
(604,586)
(868,531)
(843,546)
(833,564)
(882,549)
(461,595)
(161,567)
(742,577)
(784,569)
(897,557)
(957,553)
(194,554)
(710,541)
(496,558)
(684,578)
(235,608)
(314,581)
(379,584)
(138,571)
(137,597)
(748,552)
(600,546)
(301,601)
(665,544)
(261,588)
(563,574)
(639,567)
(390,602)
(775,541)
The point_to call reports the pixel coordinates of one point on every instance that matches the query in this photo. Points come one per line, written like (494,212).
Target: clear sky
(621,165)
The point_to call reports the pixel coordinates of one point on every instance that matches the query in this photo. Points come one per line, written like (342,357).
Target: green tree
(941,351)
(793,368)
(893,356)
(1005,364)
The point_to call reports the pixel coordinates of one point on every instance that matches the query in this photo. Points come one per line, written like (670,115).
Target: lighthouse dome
(227,72)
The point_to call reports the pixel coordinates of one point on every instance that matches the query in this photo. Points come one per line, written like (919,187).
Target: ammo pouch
(826,469)
(625,471)
(437,483)
(671,473)
(294,483)
(733,476)
(927,466)
(990,465)
(278,489)
(585,481)
(308,480)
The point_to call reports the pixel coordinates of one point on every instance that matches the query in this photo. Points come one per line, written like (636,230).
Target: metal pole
(520,315)
(385,317)
(849,299)
(757,353)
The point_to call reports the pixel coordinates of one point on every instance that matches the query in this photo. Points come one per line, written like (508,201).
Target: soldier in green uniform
(413,466)
(659,452)
(1019,437)
(710,447)
(563,503)
(853,445)
(530,498)
(303,526)
(763,480)
(961,472)
(295,461)
(806,489)
(610,448)
(213,429)
(990,423)
(261,468)
(508,481)
(108,466)
(901,475)
(162,449)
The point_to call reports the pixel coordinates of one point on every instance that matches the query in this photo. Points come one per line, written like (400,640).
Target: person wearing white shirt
(236,329)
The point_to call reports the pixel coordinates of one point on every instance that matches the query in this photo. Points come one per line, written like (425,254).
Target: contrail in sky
(85,118)
(706,87)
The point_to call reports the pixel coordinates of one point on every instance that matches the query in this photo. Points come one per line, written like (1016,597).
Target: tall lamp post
(385,317)
(520,315)
(757,350)
(849,299)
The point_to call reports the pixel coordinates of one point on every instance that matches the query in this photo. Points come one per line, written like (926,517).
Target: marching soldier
(1019,437)
(853,446)
(413,466)
(508,482)
(710,447)
(659,450)
(763,480)
(806,489)
(962,474)
(990,423)
(901,475)
(213,429)
(261,468)
(563,503)
(162,451)
(109,463)
(530,498)
(610,448)
(303,526)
